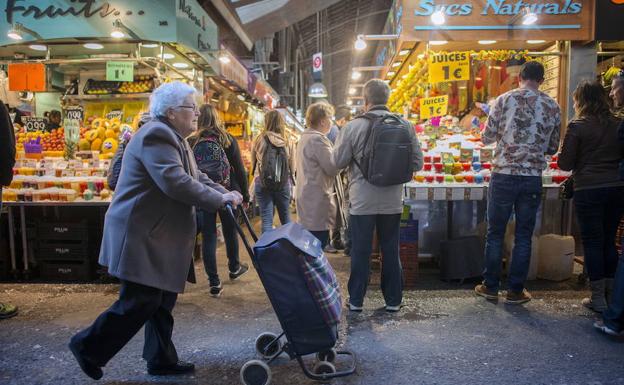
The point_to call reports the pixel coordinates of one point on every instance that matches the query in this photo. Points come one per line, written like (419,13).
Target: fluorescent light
(360,44)
(438,42)
(168,56)
(349,102)
(487,42)
(150,45)
(180,65)
(117,33)
(438,17)
(38,47)
(536,41)
(356,75)
(225,59)
(15,34)
(352,91)
(396,64)
(404,52)
(93,46)
(390,74)
(529,19)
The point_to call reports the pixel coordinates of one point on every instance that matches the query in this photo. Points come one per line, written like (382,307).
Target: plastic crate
(72,231)
(64,250)
(66,271)
(408,232)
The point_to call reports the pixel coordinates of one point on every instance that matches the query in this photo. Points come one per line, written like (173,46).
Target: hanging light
(224,58)
(356,75)
(93,46)
(438,42)
(15,34)
(38,47)
(529,17)
(349,102)
(352,90)
(180,65)
(438,17)
(487,42)
(536,41)
(317,90)
(117,32)
(360,43)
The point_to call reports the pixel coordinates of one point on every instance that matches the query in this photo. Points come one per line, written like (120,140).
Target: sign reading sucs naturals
(119,71)
(435,106)
(449,66)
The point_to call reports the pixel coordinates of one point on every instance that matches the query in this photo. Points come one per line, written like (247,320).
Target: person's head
(319,117)
(617,90)
(143,118)
(342,115)
(274,122)
(531,74)
(376,93)
(55,116)
(591,101)
(175,102)
(209,123)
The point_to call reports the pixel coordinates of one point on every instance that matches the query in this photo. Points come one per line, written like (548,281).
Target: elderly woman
(149,234)
(315,173)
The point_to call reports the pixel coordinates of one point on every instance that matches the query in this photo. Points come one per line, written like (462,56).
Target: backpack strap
(371,118)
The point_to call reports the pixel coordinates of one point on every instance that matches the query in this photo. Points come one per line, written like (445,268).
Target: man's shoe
(516,298)
(242,269)
(393,309)
(353,308)
(89,368)
(482,291)
(338,245)
(7,310)
(330,249)
(600,325)
(180,367)
(216,290)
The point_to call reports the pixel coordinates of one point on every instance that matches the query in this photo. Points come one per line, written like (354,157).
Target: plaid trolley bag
(303,290)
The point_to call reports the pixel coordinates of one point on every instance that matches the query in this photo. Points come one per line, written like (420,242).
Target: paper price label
(421,194)
(449,66)
(435,106)
(458,193)
(476,194)
(439,194)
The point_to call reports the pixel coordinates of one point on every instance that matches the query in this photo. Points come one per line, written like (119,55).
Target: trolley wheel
(324,367)
(327,355)
(255,372)
(263,341)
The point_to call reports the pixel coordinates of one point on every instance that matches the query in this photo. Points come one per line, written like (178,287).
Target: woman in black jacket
(592,151)
(218,155)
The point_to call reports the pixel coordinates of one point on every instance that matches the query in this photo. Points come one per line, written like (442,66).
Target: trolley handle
(239,229)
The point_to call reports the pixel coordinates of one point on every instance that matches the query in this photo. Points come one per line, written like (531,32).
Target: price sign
(115,114)
(75,113)
(119,71)
(32,123)
(435,106)
(458,194)
(439,194)
(421,194)
(476,194)
(449,66)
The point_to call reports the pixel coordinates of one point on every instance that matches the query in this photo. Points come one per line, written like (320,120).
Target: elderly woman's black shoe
(180,367)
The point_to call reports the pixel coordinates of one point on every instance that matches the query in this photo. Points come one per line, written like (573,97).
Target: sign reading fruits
(32,123)
(119,71)
(435,106)
(449,66)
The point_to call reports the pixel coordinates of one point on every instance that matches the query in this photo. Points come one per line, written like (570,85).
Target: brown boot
(597,301)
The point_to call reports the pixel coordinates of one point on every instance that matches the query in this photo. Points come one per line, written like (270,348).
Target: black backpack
(274,170)
(388,156)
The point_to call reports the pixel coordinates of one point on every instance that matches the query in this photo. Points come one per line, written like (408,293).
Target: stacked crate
(408,251)
(63,251)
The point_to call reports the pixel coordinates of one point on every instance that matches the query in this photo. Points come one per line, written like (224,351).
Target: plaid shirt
(322,283)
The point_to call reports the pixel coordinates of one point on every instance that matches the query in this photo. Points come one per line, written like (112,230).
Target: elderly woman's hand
(232,197)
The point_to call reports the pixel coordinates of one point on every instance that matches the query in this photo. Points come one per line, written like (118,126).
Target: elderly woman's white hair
(167,96)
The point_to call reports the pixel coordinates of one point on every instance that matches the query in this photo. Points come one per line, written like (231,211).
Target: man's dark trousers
(137,305)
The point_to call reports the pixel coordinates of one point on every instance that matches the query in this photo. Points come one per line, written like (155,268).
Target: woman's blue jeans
(268,201)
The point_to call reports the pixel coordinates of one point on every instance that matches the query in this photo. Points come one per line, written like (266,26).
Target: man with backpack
(382,152)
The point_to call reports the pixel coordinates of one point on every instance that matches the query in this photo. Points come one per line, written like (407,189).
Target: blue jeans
(362,227)
(209,243)
(599,212)
(522,195)
(614,315)
(267,200)
(322,236)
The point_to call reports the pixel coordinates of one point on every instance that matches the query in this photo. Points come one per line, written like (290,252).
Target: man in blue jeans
(524,124)
(373,206)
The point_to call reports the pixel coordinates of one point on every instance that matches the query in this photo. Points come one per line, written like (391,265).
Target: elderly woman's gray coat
(150,227)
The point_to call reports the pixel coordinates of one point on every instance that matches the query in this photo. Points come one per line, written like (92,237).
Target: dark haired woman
(592,151)
(217,154)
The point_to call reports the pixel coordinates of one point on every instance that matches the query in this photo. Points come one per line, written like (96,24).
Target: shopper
(592,151)
(149,233)
(54,120)
(272,165)
(218,156)
(613,318)
(373,206)
(314,192)
(524,123)
(115,166)
(7,161)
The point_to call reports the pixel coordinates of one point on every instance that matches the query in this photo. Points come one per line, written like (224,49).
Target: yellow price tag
(435,106)
(449,66)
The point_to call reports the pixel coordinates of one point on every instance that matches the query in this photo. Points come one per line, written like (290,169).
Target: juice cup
(459,178)
(547,179)
(427,158)
(438,167)
(469,178)
(439,178)
(427,166)
(466,167)
(448,168)
(486,166)
(429,178)
(437,159)
(420,178)
(83,186)
(449,179)
(457,168)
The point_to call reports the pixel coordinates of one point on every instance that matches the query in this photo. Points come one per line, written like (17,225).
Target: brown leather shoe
(482,291)
(517,298)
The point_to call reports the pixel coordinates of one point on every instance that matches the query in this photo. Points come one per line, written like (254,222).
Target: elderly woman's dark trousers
(137,305)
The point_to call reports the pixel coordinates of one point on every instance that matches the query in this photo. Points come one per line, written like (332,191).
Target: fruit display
(141,84)
(100,87)
(608,75)
(52,143)
(101,135)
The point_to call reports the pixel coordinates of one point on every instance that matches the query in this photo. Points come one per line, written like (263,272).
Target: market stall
(445,69)
(99,71)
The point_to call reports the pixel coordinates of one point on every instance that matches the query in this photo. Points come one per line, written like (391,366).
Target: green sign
(119,71)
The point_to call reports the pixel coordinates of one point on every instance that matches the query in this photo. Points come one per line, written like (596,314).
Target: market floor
(444,335)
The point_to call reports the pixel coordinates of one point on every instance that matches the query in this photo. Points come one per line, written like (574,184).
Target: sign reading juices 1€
(449,66)
(435,106)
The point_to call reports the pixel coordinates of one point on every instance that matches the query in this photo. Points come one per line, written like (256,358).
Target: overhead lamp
(438,17)
(356,75)
(529,18)
(317,90)
(150,45)
(349,102)
(390,74)
(487,42)
(38,47)
(404,52)
(93,46)
(117,33)
(352,90)
(180,65)
(397,64)
(120,31)
(438,42)
(224,58)
(525,16)
(168,56)
(360,43)
(17,32)
(536,41)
